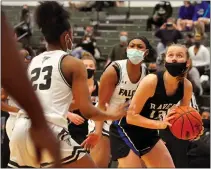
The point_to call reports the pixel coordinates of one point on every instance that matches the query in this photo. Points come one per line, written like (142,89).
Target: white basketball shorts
(106,126)
(22,152)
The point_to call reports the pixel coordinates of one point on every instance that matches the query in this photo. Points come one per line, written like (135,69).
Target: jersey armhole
(60,70)
(116,66)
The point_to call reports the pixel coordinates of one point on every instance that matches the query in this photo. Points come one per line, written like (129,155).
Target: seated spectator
(201,16)
(199,150)
(161,12)
(194,77)
(199,54)
(168,34)
(82,5)
(118,52)
(87,44)
(26,27)
(78,52)
(184,21)
(189,40)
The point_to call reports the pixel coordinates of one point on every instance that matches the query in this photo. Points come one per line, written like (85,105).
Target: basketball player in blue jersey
(57,77)
(137,134)
(118,83)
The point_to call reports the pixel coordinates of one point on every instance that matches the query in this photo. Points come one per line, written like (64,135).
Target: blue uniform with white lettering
(141,140)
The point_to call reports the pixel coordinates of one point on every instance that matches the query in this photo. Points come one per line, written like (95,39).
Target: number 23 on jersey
(45,73)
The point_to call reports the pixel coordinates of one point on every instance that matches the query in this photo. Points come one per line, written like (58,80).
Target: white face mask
(135,56)
(69,51)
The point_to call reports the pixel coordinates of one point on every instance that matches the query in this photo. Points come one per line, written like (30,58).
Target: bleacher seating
(111,22)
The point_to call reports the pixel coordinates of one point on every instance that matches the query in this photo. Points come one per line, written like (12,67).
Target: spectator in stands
(88,42)
(189,40)
(82,5)
(199,54)
(30,50)
(201,16)
(26,26)
(199,150)
(186,13)
(118,52)
(78,52)
(168,34)
(161,12)
(205,115)
(194,77)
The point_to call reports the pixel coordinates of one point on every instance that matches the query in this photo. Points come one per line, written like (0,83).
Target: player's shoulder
(71,63)
(151,78)
(187,84)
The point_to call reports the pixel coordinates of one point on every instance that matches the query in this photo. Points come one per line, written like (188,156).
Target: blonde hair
(88,56)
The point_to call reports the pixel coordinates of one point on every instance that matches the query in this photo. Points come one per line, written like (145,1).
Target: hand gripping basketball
(166,119)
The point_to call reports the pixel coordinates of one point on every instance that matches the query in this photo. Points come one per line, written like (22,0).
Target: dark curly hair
(52,19)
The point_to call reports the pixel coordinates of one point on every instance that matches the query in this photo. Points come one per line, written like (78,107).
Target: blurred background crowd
(103,28)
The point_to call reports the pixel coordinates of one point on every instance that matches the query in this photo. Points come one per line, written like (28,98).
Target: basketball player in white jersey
(118,83)
(57,77)
(8,104)
(41,134)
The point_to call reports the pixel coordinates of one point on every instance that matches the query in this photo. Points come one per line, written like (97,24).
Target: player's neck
(133,68)
(170,80)
(51,47)
(90,81)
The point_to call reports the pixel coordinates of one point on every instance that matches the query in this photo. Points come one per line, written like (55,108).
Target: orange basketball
(187,123)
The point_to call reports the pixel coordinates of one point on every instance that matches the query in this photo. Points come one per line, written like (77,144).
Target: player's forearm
(8,108)
(99,124)
(142,121)
(93,113)
(15,72)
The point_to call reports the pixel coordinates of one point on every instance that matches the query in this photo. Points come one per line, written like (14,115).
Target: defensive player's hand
(118,112)
(44,139)
(75,118)
(91,141)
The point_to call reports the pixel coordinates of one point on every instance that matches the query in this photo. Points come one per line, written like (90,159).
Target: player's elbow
(85,110)
(129,119)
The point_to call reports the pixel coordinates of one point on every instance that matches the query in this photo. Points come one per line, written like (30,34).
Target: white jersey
(13,103)
(54,92)
(125,89)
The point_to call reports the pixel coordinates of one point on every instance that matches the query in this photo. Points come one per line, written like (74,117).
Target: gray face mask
(69,51)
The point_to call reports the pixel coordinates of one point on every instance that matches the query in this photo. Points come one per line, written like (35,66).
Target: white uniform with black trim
(123,92)
(12,118)
(55,95)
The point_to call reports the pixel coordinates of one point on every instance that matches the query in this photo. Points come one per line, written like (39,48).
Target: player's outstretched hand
(91,141)
(118,112)
(75,118)
(44,138)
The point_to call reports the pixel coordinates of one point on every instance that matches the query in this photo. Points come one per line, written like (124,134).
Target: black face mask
(90,73)
(197,44)
(152,70)
(175,69)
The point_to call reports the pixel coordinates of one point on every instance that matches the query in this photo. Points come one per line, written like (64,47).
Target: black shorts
(123,139)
